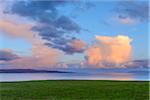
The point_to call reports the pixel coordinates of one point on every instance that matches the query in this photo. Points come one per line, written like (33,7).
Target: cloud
(133,9)
(74,46)
(42,11)
(69,46)
(78,45)
(67,24)
(14,29)
(41,54)
(7,55)
(45,57)
(94,55)
(126,20)
(136,63)
(54,27)
(109,51)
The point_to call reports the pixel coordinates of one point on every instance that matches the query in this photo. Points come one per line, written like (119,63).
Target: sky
(89,34)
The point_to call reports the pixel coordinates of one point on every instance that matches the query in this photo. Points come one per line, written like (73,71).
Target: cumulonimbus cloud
(112,50)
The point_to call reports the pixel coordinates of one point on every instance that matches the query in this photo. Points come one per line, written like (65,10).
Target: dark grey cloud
(57,38)
(44,11)
(54,27)
(134,9)
(7,55)
(67,24)
(65,44)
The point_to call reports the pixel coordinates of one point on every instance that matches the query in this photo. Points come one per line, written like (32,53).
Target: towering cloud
(110,50)
(94,55)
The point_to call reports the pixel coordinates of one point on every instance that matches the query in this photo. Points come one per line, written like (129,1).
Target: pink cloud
(78,45)
(109,50)
(94,55)
(14,29)
(41,54)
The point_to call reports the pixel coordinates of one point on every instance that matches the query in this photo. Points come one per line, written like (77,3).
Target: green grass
(75,90)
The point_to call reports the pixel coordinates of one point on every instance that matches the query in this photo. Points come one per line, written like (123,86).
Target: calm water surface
(9,77)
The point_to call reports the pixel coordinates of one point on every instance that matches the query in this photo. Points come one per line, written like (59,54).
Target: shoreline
(77,80)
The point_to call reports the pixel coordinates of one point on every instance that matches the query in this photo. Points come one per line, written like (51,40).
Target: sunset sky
(51,34)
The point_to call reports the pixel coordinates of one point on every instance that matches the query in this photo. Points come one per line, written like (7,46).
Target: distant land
(29,71)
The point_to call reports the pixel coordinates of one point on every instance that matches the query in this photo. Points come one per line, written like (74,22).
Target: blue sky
(76,25)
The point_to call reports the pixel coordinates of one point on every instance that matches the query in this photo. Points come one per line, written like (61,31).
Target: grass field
(75,90)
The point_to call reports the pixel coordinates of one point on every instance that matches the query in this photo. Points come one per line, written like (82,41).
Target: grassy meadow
(75,90)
